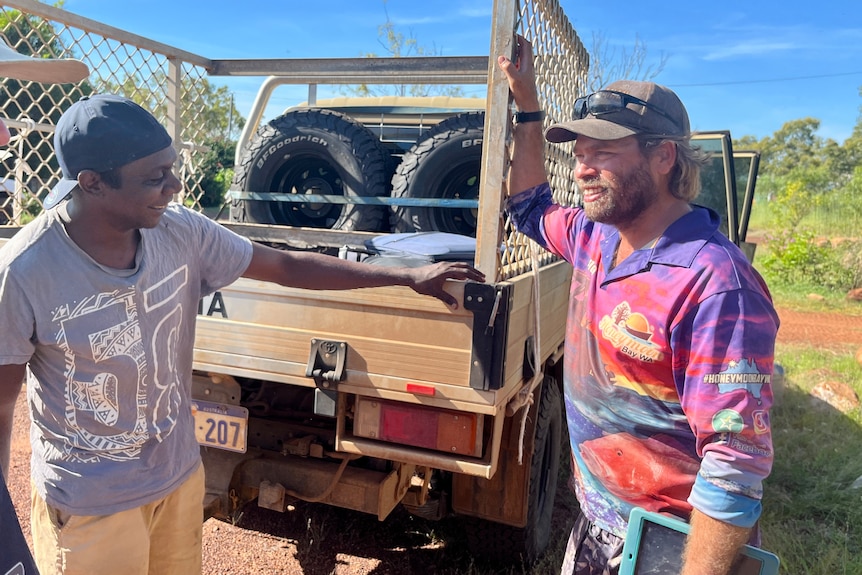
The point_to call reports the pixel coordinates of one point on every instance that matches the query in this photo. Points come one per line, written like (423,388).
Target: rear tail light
(419,425)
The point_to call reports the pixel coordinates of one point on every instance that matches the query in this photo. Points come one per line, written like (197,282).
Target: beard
(625,199)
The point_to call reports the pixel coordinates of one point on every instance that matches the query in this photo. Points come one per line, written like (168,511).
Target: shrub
(217,165)
(800,258)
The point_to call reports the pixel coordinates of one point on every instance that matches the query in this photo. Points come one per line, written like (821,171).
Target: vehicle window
(718,180)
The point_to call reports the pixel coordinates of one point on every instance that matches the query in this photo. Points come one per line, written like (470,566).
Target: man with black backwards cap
(15,556)
(671,332)
(98,296)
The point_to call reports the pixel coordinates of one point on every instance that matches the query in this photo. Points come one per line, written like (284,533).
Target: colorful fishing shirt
(668,367)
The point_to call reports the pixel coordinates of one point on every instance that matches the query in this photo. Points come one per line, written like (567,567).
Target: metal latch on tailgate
(490,305)
(326,362)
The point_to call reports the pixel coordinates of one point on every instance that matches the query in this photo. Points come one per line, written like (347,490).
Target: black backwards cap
(101,133)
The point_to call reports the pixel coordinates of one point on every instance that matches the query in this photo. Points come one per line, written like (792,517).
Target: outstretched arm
(320,271)
(528,166)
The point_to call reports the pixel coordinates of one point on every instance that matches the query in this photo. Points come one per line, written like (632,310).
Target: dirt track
(313,540)
(824,329)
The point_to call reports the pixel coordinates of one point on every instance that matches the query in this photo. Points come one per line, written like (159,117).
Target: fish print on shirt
(651,472)
(620,460)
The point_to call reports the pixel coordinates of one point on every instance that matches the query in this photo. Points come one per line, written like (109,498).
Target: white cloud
(474,12)
(751,48)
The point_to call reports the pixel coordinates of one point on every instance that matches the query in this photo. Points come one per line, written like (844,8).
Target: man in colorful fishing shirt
(671,332)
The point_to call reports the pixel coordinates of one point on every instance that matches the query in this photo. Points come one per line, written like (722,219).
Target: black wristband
(523,117)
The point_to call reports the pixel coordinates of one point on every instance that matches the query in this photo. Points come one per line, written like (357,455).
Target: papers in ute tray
(429,246)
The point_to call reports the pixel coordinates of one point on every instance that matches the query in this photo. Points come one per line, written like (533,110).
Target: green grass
(804,297)
(812,517)
(831,219)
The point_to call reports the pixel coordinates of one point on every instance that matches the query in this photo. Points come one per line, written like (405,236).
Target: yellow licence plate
(220,425)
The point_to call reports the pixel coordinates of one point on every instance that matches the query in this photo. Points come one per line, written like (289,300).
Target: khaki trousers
(160,538)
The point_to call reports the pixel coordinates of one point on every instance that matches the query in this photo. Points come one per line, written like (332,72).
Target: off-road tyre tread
(371,157)
(408,182)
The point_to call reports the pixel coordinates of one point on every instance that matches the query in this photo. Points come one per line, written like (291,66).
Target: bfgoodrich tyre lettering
(313,152)
(444,163)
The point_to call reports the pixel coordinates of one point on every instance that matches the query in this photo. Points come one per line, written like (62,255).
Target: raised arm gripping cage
(561,64)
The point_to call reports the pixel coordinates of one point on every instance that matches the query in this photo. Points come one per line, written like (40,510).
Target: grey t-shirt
(110,355)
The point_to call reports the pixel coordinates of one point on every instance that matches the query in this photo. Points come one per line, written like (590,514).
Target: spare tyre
(443,164)
(313,151)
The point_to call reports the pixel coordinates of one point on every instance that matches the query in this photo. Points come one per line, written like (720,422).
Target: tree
(32,36)
(851,150)
(397,45)
(794,172)
(795,145)
(799,193)
(207,111)
(608,64)
(747,142)
(209,120)
(217,167)
(42,103)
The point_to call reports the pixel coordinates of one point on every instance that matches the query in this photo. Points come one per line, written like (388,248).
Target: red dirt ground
(315,541)
(820,328)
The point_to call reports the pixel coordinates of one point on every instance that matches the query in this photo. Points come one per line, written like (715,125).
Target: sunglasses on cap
(609,101)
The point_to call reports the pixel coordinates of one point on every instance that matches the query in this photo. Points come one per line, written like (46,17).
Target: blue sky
(747,67)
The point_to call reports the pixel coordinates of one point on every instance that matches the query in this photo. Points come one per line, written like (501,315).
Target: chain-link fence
(561,64)
(166,81)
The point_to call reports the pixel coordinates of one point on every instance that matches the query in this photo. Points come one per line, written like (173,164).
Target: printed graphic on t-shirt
(630,332)
(650,472)
(727,421)
(740,374)
(120,390)
(761,422)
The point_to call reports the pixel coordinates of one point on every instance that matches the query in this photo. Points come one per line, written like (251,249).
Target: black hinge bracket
(326,362)
(490,305)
